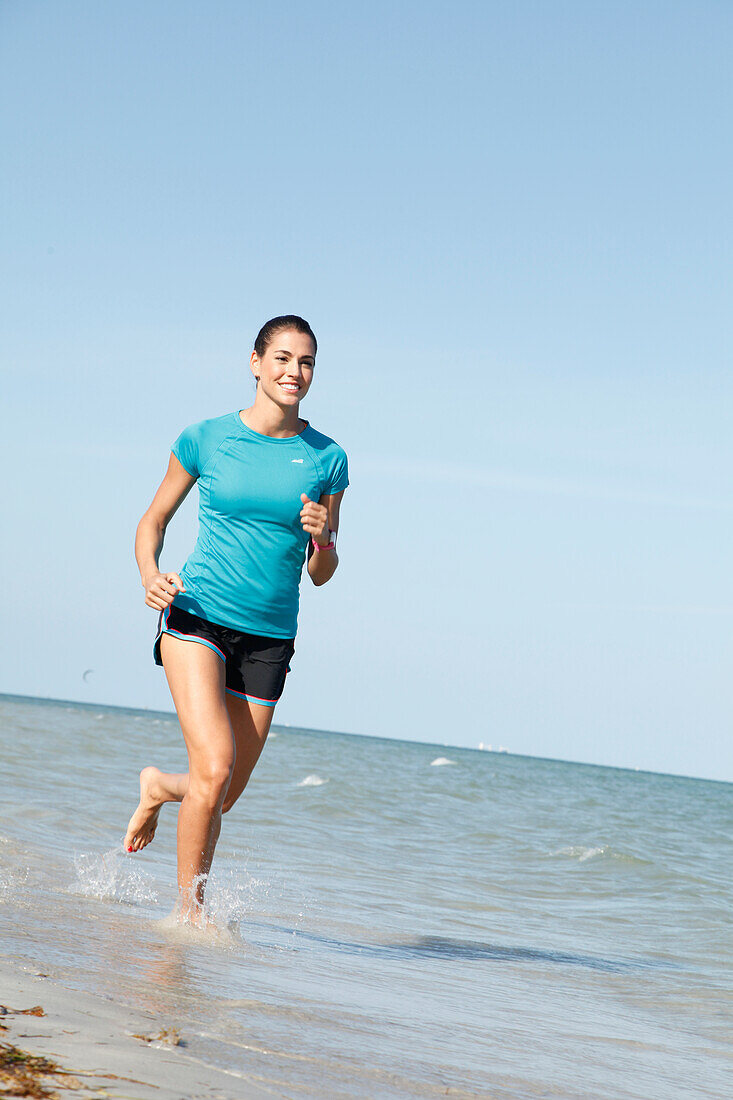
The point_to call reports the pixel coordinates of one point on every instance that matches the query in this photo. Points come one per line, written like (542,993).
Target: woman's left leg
(250,725)
(156,788)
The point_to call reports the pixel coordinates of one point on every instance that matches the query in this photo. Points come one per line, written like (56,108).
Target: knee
(210,785)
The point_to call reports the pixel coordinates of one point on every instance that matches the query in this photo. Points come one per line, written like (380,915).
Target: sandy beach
(106,1050)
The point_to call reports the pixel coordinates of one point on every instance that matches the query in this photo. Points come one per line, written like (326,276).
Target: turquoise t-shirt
(245,569)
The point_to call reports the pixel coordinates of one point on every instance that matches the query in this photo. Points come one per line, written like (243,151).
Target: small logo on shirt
(297,460)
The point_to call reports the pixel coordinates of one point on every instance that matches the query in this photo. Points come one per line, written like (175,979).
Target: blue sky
(509,225)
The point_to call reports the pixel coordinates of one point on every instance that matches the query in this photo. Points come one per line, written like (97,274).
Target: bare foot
(144,821)
(191,909)
(195,917)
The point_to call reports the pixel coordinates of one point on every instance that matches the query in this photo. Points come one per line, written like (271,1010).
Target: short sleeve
(337,475)
(187,449)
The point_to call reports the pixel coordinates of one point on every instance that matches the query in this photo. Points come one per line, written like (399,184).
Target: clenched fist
(314,518)
(160,588)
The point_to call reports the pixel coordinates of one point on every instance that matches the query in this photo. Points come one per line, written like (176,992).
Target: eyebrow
(284,351)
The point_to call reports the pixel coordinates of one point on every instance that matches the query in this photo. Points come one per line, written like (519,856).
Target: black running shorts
(256,666)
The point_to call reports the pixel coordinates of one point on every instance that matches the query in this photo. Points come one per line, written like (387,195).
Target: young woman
(270,487)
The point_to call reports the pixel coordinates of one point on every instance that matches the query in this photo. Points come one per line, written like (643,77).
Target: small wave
(440,760)
(582,853)
(312,781)
(440,947)
(113,876)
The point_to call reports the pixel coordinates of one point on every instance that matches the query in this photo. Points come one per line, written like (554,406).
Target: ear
(254,365)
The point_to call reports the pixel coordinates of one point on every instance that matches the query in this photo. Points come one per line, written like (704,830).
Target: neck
(267,418)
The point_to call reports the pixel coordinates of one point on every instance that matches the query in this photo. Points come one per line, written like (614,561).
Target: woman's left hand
(314,518)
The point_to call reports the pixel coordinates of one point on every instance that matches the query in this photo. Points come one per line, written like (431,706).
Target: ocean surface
(397,919)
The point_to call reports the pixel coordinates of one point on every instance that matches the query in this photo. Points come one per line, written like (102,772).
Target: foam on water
(312,781)
(440,760)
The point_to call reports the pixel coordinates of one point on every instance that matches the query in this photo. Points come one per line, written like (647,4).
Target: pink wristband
(331,545)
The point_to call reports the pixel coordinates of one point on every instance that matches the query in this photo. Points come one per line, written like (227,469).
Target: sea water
(394,919)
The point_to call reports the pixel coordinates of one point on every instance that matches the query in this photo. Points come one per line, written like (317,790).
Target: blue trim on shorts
(165,629)
(253,698)
(194,638)
(240,653)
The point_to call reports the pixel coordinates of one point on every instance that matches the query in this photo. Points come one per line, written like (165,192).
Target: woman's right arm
(160,588)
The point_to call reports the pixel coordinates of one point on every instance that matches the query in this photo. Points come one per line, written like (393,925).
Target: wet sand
(106,1050)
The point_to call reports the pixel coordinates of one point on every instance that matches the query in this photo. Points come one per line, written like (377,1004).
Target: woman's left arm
(318,520)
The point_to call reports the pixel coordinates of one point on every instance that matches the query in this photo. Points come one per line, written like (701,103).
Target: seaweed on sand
(21,1073)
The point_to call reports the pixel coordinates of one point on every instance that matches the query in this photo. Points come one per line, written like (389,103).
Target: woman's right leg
(195,675)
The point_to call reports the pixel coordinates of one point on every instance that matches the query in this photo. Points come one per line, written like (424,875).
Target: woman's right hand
(160,588)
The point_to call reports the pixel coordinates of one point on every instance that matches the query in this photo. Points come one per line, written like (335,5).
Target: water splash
(12,882)
(14,874)
(230,898)
(113,876)
(201,931)
(440,760)
(312,781)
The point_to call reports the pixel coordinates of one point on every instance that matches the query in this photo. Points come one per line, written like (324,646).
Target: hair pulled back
(278,324)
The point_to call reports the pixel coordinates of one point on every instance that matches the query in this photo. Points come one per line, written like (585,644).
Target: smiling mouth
(291,387)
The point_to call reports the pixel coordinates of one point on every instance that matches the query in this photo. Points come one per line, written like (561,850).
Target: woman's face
(286,369)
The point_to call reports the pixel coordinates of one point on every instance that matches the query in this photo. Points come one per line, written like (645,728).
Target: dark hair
(279,324)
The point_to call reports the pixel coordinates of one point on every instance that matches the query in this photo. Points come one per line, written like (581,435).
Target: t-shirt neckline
(270,438)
